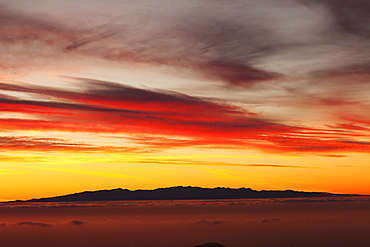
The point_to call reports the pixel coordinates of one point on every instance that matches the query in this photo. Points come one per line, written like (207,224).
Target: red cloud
(165,119)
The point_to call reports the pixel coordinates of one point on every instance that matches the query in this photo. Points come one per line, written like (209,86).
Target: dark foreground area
(305,222)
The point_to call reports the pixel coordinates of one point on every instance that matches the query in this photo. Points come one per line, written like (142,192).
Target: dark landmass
(181,193)
(210,245)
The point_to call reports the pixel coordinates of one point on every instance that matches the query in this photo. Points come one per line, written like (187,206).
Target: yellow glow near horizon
(149,171)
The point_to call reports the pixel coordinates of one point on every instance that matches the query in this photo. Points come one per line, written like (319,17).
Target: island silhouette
(182,193)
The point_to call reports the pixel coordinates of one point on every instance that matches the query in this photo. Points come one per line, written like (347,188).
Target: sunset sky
(262,94)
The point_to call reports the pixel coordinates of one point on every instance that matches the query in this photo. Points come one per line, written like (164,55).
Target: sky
(262,94)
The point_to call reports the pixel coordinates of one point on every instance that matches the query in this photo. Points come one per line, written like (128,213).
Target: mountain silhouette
(181,193)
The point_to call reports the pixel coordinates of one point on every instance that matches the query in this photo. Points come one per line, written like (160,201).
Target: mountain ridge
(181,193)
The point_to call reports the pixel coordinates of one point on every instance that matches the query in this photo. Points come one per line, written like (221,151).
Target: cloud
(334,155)
(85,41)
(270,220)
(24,142)
(77,222)
(276,166)
(47,144)
(209,222)
(351,16)
(180,161)
(20,32)
(32,223)
(104,96)
(349,126)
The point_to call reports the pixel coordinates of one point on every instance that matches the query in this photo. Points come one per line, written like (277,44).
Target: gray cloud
(351,15)
(32,223)
(209,222)
(77,222)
